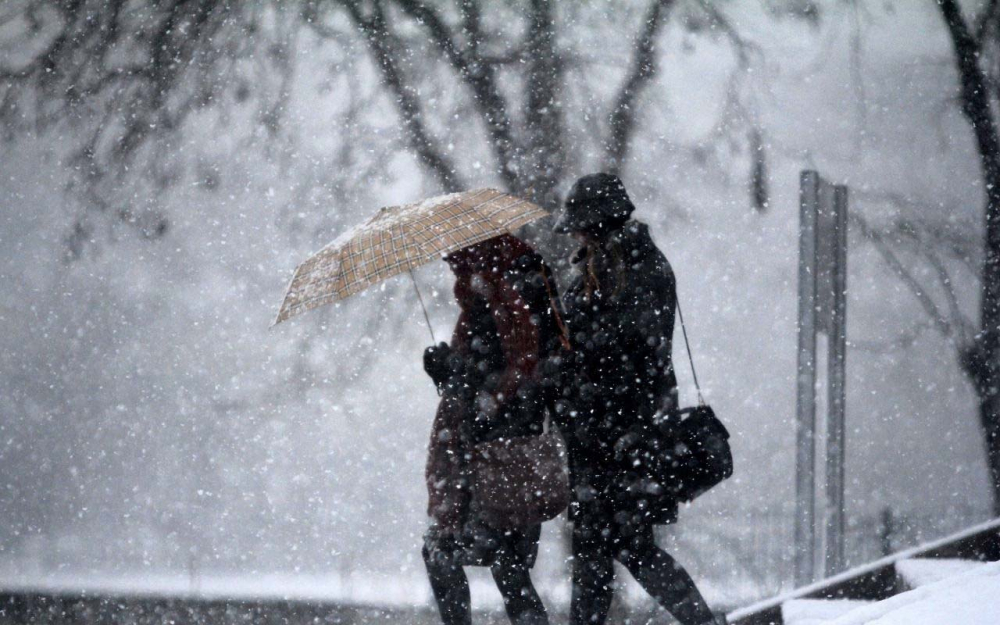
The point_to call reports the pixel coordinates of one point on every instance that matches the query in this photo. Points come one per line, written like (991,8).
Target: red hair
(489,259)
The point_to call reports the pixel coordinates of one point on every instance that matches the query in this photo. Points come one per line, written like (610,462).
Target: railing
(745,556)
(878,580)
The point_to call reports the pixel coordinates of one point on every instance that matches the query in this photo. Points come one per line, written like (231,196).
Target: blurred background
(166,164)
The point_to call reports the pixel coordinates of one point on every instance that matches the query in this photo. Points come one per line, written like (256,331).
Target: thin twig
(916,289)
(383,44)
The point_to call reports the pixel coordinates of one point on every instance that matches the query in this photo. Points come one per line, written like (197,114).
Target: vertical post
(805,445)
(886,531)
(836,375)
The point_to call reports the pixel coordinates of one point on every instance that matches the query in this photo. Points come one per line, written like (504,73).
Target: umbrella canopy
(400,238)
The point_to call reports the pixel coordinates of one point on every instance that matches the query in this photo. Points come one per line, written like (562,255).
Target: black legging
(597,545)
(512,576)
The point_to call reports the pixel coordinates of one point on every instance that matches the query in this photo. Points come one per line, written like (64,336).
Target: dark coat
(490,375)
(620,314)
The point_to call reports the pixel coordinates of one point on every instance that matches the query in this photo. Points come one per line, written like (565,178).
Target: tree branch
(46,61)
(545,142)
(962,324)
(165,65)
(978,110)
(941,323)
(975,99)
(641,71)
(478,75)
(744,48)
(380,42)
(440,34)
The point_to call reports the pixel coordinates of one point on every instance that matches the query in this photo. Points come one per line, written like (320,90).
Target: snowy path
(926,585)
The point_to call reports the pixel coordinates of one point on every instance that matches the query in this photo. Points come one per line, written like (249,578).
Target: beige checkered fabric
(399,238)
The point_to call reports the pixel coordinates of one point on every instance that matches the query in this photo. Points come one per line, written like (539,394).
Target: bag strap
(687,345)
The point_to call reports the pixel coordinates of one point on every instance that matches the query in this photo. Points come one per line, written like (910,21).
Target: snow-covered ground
(922,572)
(969,598)
(816,611)
(358,589)
(910,565)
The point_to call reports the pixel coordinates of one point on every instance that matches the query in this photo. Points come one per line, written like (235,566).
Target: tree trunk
(981,364)
(981,361)
(989,384)
(989,417)
(545,158)
(643,68)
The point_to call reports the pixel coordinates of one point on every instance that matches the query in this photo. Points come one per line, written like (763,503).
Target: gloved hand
(436,363)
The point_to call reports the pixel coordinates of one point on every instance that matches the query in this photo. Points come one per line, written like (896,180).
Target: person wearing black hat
(620,316)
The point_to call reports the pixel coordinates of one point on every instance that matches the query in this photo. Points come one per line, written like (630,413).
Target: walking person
(491,387)
(620,314)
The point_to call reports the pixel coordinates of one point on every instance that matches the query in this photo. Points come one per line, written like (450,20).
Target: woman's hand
(436,363)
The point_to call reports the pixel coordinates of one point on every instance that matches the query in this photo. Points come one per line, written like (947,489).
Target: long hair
(488,260)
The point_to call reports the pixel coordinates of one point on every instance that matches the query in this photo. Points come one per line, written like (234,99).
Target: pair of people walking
(598,364)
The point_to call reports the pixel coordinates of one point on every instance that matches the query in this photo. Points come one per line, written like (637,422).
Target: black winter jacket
(620,315)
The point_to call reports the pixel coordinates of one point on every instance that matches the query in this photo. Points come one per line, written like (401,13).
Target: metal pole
(805,443)
(836,388)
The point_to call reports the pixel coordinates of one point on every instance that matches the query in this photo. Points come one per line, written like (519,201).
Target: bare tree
(976,48)
(526,130)
(119,78)
(126,74)
(937,245)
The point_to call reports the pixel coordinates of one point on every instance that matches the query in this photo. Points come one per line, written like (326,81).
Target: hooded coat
(490,375)
(620,314)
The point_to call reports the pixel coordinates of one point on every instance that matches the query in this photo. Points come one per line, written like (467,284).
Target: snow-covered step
(917,572)
(968,598)
(816,611)
(880,579)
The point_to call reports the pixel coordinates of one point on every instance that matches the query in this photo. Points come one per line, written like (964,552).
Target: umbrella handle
(422,307)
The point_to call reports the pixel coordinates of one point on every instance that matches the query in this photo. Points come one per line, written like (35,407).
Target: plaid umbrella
(399,238)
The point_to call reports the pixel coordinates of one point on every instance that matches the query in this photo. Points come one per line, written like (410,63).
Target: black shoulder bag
(700,457)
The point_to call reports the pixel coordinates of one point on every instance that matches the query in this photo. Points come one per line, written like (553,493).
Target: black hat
(595,201)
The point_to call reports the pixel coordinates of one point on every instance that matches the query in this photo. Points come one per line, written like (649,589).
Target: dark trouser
(511,573)
(596,545)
